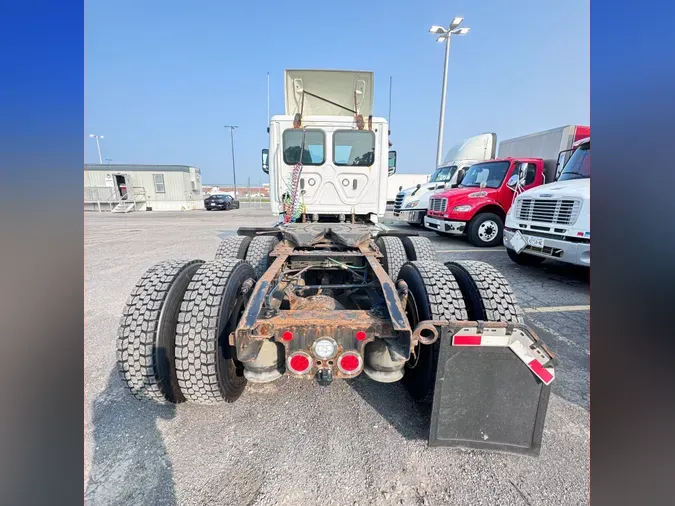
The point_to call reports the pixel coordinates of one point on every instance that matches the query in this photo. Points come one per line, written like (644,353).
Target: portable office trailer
(142,187)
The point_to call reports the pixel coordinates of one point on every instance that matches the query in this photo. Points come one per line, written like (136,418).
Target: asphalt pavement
(292,442)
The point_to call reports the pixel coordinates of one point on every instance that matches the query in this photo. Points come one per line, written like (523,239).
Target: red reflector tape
(466,340)
(541,372)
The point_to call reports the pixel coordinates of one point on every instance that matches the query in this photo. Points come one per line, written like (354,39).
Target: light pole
(444,36)
(98,146)
(234,172)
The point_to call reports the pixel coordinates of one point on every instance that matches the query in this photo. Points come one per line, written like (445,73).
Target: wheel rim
(488,230)
(235,373)
(413,318)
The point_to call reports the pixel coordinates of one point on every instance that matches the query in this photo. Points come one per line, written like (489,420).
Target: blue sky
(163,77)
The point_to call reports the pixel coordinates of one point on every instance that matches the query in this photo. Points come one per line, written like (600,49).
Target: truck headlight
(412,204)
(461,209)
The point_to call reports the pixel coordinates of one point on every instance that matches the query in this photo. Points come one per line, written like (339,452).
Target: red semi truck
(479,205)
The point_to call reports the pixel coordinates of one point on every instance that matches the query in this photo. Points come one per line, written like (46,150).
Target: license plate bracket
(518,242)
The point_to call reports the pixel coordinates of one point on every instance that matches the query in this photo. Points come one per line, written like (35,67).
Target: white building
(125,188)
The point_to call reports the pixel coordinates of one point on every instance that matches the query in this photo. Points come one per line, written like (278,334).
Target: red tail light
(350,362)
(287,336)
(361,335)
(299,363)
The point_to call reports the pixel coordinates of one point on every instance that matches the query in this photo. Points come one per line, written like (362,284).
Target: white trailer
(554,146)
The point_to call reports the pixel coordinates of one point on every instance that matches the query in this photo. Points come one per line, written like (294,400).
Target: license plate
(517,242)
(403,216)
(537,242)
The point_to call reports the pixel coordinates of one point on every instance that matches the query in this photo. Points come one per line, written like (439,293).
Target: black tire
(416,225)
(393,253)
(419,248)
(524,258)
(433,294)
(236,204)
(234,246)
(258,254)
(487,294)
(145,339)
(206,365)
(488,221)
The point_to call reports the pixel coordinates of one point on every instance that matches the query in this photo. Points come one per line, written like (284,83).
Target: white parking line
(469,250)
(556,309)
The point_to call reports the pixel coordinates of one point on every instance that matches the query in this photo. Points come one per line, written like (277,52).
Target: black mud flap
(486,397)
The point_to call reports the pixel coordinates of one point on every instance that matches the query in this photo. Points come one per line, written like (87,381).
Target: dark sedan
(225,202)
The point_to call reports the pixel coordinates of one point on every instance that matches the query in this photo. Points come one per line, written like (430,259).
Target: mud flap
(487,397)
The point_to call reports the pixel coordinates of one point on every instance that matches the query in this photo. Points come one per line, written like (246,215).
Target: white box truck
(412,203)
(553,221)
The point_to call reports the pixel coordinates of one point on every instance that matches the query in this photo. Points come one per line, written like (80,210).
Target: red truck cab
(479,205)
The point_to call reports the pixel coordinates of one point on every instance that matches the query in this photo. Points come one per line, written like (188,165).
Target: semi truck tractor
(328,294)
(412,203)
(478,207)
(554,221)
(397,182)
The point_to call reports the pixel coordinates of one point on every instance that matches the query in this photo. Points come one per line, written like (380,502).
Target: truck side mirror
(265,161)
(392,162)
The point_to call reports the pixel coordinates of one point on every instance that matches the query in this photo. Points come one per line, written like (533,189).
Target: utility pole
(444,36)
(98,146)
(234,171)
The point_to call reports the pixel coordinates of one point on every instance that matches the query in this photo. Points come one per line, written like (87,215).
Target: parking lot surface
(292,442)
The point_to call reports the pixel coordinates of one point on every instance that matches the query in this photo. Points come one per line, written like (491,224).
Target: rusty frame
(308,325)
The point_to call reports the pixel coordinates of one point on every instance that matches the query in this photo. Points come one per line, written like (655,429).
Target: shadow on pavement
(392,401)
(130,464)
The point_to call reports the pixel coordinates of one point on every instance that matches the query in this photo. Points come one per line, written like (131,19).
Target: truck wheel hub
(487,230)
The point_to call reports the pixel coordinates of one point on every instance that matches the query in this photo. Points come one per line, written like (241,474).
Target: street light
(234,172)
(98,146)
(444,35)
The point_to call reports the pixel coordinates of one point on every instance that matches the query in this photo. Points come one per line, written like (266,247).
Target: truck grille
(438,205)
(398,203)
(559,212)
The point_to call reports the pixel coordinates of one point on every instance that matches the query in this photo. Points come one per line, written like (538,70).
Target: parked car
(220,201)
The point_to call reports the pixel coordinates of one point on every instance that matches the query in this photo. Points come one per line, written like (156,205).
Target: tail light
(350,362)
(299,363)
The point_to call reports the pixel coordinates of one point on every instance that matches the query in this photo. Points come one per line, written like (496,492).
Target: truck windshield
(443,175)
(579,164)
(492,173)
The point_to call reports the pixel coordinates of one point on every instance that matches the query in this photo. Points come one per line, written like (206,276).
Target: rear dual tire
(173,339)
(206,366)
(145,339)
(461,290)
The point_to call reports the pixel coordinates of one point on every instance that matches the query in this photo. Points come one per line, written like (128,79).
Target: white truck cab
(412,203)
(554,220)
(342,172)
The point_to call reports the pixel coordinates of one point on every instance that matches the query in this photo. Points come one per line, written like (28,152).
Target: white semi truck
(412,203)
(329,294)
(553,221)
